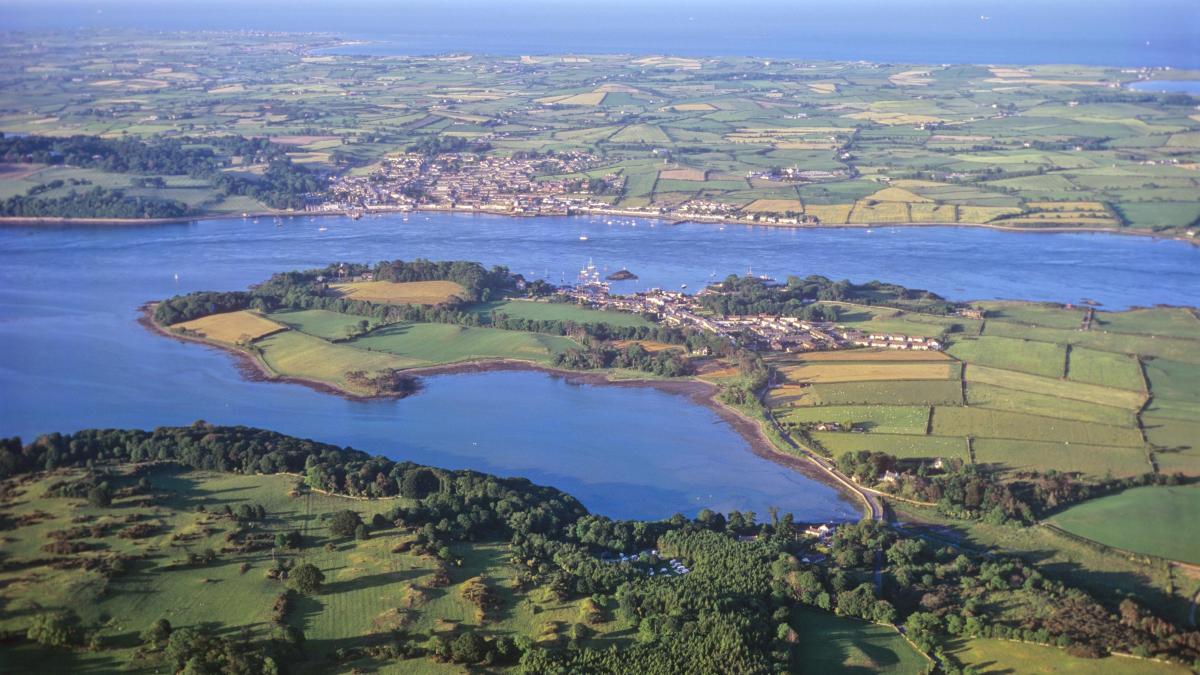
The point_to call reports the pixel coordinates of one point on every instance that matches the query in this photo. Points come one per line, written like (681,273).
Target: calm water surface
(72,356)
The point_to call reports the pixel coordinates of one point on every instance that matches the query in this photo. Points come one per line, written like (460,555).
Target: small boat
(322,228)
(583,237)
(177,276)
(683,285)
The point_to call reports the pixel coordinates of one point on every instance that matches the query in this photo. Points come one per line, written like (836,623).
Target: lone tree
(100,495)
(344,523)
(306,579)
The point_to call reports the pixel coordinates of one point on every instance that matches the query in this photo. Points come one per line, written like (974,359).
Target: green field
(434,343)
(916,392)
(558,311)
(1022,400)
(904,446)
(1093,461)
(1150,520)
(1105,368)
(983,423)
(1000,657)
(321,323)
(1035,358)
(875,418)
(1052,386)
(294,354)
(829,643)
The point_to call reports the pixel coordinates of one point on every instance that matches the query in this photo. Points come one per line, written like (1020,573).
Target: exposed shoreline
(23,221)
(698,391)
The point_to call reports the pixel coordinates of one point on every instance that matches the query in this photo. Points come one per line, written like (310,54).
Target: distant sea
(1096,32)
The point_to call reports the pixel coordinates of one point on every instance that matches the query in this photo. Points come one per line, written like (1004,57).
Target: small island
(622,275)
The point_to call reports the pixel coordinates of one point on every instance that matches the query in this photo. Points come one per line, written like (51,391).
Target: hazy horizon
(1155,33)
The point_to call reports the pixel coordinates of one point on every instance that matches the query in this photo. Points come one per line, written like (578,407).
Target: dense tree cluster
(284,184)
(97,202)
(975,492)
(753,295)
(667,362)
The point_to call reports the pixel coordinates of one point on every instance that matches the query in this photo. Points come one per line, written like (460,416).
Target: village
(760,332)
(519,185)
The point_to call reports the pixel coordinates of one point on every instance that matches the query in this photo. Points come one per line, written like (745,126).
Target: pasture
(874,418)
(322,323)
(822,372)
(904,446)
(1144,520)
(438,343)
(231,327)
(405,293)
(558,311)
(1104,368)
(875,392)
(997,657)
(1037,358)
(295,354)
(984,423)
(1093,461)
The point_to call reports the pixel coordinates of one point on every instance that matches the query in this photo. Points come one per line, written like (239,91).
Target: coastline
(698,391)
(24,221)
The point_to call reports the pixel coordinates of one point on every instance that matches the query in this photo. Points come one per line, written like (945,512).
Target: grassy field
(1105,368)
(406,293)
(876,418)
(829,643)
(294,354)
(558,311)
(902,392)
(1000,657)
(1022,400)
(322,323)
(1035,358)
(983,423)
(814,373)
(904,446)
(232,327)
(1051,386)
(1093,461)
(1145,520)
(432,343)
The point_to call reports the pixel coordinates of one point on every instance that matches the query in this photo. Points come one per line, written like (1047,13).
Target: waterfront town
(761,332)
(524,184)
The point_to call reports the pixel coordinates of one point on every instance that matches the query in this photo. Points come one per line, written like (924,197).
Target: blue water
(1171,86)
(72,356)
(1104,32)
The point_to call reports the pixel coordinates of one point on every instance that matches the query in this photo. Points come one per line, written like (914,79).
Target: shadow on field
(370,581)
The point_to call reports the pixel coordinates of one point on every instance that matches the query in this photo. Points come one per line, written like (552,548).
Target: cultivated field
(406,293)
(232,327)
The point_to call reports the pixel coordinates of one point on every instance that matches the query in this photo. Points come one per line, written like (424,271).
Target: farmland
(1143,520)
(832,644)
(232,327)
(776,142)
(1027,394)
(407,293)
